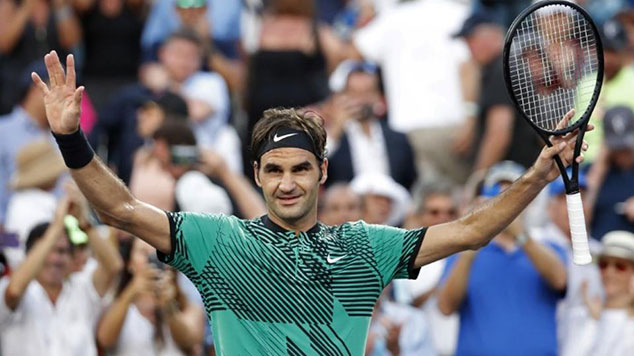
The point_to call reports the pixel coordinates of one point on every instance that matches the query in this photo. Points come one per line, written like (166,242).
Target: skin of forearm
(451,295)
(492,150)
(547,264)
(186,329)
(106,254)
(31,266)
(249,201)
(492,216)
(112,321)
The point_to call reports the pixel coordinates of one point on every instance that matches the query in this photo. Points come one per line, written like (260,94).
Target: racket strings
(553,65)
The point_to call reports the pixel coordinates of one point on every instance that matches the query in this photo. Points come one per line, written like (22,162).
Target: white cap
(196,193)
(383,185)
(618,244)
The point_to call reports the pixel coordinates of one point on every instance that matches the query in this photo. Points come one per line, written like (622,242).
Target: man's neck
(301,225)
(617,302)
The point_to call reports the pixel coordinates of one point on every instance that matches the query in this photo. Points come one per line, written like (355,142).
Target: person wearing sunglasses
(613,325)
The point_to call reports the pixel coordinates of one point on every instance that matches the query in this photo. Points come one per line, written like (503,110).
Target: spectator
(150,117)
(615,323)
(358,138)
(571,311)
(504,12)
(43,309)
(614,207)
(383,201)
(398,329)
(26,123)
(510,287)
(150,314)
(339,205)
(39,167)
(178,70)
(110,27)
(290,65)
(618,77)
(501,134)
(437,205)
(28,30)
(222,21)
(421,66)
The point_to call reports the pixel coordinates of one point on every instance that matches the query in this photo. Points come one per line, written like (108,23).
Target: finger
(40,83)
(584,146)
(564,121)
(58,70)
(590,127)
(78,94)
(50,69)
(580,159)
(551,152)
(70,71)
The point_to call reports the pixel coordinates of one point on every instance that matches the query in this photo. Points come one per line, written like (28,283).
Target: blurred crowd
(420,132)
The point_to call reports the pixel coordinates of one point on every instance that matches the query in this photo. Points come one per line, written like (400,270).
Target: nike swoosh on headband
(277,138)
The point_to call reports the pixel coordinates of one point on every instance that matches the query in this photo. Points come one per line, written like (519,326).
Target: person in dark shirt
(614,207)
(501,133)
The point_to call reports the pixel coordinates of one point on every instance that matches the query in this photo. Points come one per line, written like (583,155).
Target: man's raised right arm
(104,190)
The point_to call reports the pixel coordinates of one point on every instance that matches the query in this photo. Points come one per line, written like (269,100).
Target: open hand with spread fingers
(564,146)
(61,97)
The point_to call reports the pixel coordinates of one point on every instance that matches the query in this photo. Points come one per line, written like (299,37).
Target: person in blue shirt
(505,293)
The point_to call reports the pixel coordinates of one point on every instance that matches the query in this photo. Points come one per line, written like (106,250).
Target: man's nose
(287,184)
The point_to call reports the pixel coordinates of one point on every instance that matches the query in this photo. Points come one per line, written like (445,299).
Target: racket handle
(577,220)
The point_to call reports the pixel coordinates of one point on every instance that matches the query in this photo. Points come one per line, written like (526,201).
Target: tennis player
(283,283)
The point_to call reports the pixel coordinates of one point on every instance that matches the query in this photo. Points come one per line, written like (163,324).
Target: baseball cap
(505,171)
(618,127)
(613,35)
(558,187)
(186,4)
(476,19)
(618,244)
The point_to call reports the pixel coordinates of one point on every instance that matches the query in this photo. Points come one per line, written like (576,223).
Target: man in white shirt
(421,65)
(44,310)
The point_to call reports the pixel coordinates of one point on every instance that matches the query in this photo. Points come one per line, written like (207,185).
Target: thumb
(78,94)
(551,152)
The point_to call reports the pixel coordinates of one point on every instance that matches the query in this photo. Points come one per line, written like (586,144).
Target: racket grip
(577,220)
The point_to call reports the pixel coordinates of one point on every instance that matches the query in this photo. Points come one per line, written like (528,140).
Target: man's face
(290,179)
(340,206)
(181,58)
(376,208)
(622,158)
(438,209)
(191,16)
(57,264)
(362,89)
(149,118)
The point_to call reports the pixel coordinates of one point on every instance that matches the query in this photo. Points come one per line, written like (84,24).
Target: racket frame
(571,183)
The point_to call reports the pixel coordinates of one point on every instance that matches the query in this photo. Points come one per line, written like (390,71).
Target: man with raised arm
(282,283)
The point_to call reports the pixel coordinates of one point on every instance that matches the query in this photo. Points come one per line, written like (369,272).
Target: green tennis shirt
(269,291)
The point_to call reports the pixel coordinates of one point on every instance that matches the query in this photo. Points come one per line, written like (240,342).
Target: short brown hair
(273,119)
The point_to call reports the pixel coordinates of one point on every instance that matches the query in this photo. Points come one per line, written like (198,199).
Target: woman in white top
(613,323)
(150,315)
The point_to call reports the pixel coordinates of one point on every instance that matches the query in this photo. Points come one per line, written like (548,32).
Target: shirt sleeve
(192,238)
(395,251)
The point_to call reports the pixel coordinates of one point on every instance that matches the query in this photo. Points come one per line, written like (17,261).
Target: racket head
(553,61)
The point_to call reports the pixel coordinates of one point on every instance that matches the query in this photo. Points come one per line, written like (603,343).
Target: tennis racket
(553,62)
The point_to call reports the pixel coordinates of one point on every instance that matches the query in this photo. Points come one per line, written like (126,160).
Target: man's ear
(256,176)
(324,171)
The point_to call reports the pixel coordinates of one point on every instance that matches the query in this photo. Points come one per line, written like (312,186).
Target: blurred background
(420,130)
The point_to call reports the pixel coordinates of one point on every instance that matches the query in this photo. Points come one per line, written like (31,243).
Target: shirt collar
(270,224)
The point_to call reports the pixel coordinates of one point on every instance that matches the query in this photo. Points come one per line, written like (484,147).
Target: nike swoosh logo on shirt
(277,138)
(334,260)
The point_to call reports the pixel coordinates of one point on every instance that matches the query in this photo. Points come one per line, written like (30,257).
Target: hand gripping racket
(553,62)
